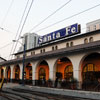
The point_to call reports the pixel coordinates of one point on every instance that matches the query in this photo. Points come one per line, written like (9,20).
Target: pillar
(34,65)
(12,72)
(76,59)
(21,70)
(5,72)
(52,69)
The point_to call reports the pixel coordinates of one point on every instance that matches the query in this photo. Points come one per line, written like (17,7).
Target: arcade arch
(28,70)
(90,69)
(17,72)
(8,73)
(64,68)
(42,70)
(2,72)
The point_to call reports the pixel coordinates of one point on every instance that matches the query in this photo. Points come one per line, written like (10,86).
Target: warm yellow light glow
(4,68)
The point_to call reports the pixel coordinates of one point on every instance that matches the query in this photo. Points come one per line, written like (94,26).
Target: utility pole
(24,51)
(23,73)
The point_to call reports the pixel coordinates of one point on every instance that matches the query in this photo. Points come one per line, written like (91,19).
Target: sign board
(72,29)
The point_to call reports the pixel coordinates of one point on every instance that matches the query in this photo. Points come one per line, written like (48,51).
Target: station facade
(70,57)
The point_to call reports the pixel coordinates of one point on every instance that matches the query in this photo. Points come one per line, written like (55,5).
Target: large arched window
(17,72)
(30,73)
(68,72)
(89,72)
(42,73)
(2,73)
(8,73)
(28,70)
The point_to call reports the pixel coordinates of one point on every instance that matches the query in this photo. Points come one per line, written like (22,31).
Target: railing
(86,86)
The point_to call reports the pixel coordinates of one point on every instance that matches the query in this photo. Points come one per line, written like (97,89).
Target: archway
(64,68)
(28,70)
(17,73)
(42,70)
(90,71)
(42,73)
(28,74)
(64,73)
(68,72)
(2,72)
(8,73)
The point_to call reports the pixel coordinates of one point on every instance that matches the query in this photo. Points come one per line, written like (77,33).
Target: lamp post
(24,49)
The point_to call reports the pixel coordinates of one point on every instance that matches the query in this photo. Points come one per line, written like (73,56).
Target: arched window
(67,44)
(89,71)
(42,73)
(33,53)
(43,50)
(2,73)
(71,44)
(8,73)
(68,72)
(56,47)
(30,73)
(91,39)
(53,48)
(17,72)
(85,40)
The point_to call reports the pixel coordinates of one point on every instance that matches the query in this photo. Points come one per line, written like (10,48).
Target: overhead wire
(50,15)
(7,13)
(3,29)
(2,22)
(5,45)
(23,24)
(68,18)
(19,26)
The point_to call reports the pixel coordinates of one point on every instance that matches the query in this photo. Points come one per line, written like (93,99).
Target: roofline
(94,21)
(70,50)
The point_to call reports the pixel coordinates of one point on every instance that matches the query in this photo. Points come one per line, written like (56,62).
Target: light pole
(24,49)
(23,65)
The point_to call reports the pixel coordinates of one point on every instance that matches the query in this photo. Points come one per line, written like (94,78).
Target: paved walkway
(65,92)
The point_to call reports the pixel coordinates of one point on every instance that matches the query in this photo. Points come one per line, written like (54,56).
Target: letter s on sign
(40,40)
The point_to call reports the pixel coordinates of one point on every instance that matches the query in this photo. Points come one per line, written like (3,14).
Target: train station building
(62,56)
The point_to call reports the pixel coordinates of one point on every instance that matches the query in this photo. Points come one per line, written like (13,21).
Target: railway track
(21,94)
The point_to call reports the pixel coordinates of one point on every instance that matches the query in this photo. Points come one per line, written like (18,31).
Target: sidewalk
(56,91)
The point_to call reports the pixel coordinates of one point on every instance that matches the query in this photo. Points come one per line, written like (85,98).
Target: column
(4,72)
(21,70)
(76,59)
(52,69)
(34,65)
(12,72)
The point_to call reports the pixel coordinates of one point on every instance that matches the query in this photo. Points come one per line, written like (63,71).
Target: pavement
(56,91)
